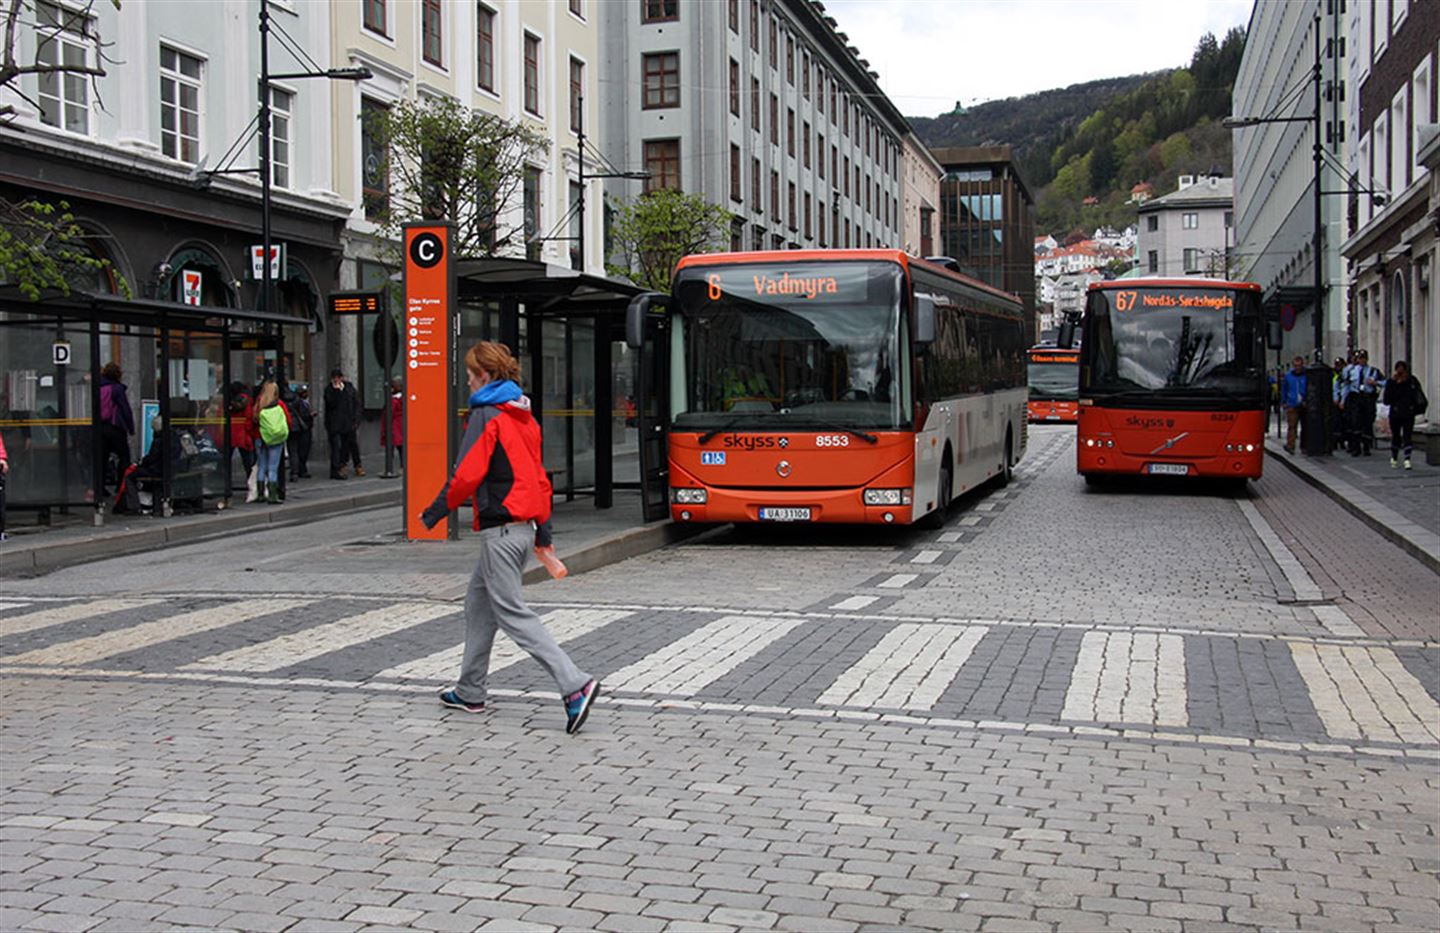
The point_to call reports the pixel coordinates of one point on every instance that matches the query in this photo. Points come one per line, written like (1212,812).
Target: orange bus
(824,386)
(1054,378)
(1172,379)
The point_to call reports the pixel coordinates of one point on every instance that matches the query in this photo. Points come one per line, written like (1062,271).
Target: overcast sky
(931,53)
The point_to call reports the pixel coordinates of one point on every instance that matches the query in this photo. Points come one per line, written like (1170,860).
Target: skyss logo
(748,441)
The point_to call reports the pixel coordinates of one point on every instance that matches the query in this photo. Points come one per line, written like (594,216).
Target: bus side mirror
(1274,337)
(635,314)
(1065,338)
(924,320)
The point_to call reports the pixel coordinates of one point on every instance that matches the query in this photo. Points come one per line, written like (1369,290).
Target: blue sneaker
(451,699)
(577,706)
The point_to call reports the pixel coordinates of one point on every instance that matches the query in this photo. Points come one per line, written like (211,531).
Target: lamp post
(580,210)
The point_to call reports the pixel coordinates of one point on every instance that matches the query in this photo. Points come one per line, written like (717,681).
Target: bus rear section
(1053,380)
(1172,380)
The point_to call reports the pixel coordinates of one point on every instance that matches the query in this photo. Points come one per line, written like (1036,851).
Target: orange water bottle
(553,564)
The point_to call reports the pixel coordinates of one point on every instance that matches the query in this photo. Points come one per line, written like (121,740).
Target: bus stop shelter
(177,361)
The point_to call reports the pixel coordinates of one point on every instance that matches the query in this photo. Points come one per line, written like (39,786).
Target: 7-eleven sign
(190,286)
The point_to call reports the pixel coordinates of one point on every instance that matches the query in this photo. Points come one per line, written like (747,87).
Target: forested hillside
(1098,140)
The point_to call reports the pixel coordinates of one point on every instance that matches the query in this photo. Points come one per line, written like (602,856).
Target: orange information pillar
(428,342)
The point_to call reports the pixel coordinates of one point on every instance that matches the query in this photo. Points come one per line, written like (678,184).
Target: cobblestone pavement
(1153,707)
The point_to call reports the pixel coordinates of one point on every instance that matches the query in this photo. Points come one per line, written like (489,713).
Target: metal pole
(1318,233)
(580,134)
(1316,438)
(388,421)
(265,156)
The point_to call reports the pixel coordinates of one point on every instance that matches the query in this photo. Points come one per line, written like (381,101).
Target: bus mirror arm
(924,320)
(1065,339)
(635,314)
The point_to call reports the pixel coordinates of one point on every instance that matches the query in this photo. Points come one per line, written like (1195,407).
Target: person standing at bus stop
(342,420)
(1292,399)
(500,469)
(117,421)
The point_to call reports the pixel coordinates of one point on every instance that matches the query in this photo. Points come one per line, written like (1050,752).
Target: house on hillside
(1044,244)
(1141,193)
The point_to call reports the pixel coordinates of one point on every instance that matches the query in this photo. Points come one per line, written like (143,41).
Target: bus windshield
(1174,342)
(771,346)
(1053,381)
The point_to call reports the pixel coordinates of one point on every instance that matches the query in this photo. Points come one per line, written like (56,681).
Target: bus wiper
(725,425)
(831,426)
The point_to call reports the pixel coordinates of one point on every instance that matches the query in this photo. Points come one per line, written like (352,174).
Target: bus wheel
(936,519)
(1094,480)
(1007,469)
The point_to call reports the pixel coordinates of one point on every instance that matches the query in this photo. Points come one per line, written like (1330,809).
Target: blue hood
(495,393)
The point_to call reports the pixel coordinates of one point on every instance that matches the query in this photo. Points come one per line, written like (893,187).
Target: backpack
(274,426)
(1421,402)
(107,404)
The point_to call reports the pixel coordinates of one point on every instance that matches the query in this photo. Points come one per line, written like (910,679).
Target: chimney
(1185,181)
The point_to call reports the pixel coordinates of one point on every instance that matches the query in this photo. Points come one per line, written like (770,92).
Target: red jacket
(394,426)
(242,427)
(499,467)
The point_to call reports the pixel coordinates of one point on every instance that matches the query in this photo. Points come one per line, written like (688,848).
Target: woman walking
(272,429)
(500,468)
(1406,400)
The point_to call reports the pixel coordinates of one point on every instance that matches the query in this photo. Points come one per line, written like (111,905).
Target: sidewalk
(1403,505)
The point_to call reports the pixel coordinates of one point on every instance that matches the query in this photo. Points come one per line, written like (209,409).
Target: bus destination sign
(1158,299)
(354,302)
(769,283)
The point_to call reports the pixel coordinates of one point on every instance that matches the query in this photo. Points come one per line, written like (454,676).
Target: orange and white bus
(825,386)
(1172,379)
(1053,375)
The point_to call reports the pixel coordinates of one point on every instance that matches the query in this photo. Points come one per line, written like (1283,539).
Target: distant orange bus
(863,386)
(1053,376)
(1172,379)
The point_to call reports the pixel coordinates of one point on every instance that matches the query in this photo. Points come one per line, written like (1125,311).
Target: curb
(1418,542)
(623,546)
(43,558)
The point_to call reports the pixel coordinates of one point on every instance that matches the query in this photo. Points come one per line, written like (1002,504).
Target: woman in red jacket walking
(500,469)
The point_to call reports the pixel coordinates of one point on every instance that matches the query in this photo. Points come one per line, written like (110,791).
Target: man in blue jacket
(1292,399)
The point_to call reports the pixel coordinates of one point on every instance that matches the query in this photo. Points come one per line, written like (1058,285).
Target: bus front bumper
(774,506)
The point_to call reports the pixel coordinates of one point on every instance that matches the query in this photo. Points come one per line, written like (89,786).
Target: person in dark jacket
(1406,400)
(1292,399)
(117,421)
(342,420)
(500,469)
(301,434)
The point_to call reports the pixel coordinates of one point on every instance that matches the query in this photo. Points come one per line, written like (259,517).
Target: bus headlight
(888,497)
(688,496)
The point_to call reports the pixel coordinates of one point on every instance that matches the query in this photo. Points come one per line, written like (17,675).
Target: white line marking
(1128,677)
(896,581)
(909,668)
(74,612)
(5,606)
(950,537)
(1366,693)
(984,506)
(926,557)
(856,602)
(688,665)
(1295,573)
(119,641)
(563,624)
(970,520)
(322,639)
(1337,622)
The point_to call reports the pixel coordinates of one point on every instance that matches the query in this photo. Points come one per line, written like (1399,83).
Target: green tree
(445,161)
(653,232)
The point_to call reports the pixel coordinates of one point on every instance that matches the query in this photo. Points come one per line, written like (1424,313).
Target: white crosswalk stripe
(852,603)
(926,557)
(898,580)
(686,666)
(118,641)
(1337,621)
(5,606)
(909,669)
(71,612)
(322,639)
(565,625)
(1134,677)
(1366,693)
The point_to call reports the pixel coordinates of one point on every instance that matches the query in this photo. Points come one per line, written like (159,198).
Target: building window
(1191,258)
(775,195)
(820,155)
(790,130)
(834,90)
(1229,219)
(532,74)
(577,93)
(835,163)
(64,98)
(805,143)
(737,235)
(793,214)
(531,189)
(805,76)
(755,177)
(755,104)
(662,80)
(662,161)
(577,7)
(736,194)
(485,47)
(846,176)
(432,37)
(660,11)
(1152,223)
(755,26)
(374,164)
(809,201)
(1153,261)
(820,79)
(734,88)
(180,87)
(1190,221)
(774,44)
(845,122)
(734,16)
(757,235)
(281,105)
(774,120)
(375,16)
(790,59)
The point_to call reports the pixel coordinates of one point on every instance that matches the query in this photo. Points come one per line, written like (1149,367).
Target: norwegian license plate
(1052,417)
(1169,469)
(773,514)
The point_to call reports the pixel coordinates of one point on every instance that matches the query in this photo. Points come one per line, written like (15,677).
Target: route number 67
(832,440)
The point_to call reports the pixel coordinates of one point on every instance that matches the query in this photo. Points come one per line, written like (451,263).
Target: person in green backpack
(272,427)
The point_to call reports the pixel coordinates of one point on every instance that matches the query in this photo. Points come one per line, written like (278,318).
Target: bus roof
(841,255)
(1193,282)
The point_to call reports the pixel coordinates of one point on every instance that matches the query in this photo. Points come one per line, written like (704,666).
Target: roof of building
(1207,191)
(953,157)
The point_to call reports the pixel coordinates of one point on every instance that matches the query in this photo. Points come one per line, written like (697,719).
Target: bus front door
(652,403)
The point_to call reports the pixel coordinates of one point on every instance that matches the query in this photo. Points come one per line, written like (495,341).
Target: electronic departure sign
(355,302)
(788,284)
(1159,299)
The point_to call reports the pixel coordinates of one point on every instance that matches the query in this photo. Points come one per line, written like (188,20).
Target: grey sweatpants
(493,601)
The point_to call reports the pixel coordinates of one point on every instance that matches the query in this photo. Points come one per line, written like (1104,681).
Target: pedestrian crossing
(1354,689)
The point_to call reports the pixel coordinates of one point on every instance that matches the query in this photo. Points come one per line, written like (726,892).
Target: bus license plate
(772,514)
(1170,469)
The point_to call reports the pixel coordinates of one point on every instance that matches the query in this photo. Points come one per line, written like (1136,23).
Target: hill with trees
(1082,148)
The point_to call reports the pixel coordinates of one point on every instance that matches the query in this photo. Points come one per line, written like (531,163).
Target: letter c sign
(426,250)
